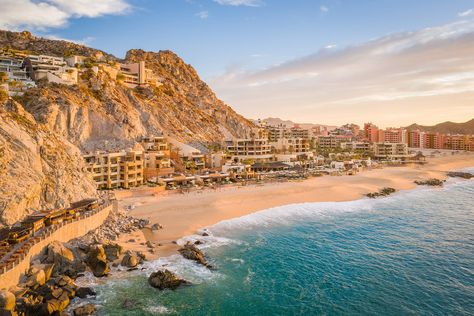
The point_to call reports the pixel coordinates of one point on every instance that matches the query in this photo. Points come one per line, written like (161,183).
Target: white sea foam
(158,310)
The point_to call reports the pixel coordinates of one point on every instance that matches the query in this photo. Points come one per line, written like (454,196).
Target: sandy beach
(182,215)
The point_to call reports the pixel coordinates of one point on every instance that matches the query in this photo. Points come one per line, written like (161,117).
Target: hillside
(447,127)
(26,41)
(43,131)
(39,170)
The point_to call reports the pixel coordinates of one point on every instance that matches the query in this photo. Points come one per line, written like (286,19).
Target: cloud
(249,3)
(202,14)
(85,41)
(46,14)
(415,76)
(324,9)
(466,13)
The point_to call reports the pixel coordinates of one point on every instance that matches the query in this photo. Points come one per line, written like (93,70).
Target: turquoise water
(409,254)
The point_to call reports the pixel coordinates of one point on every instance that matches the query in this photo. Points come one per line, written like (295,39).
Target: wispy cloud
(324,9)
(47,14)
(249,3)
(85,41)
(466,13)
(419,75)
(202,14)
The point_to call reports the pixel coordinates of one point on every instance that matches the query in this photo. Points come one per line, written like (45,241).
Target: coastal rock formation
(430,182)
(382,192)
(97,261)
(84,292)
(191,252)
(165,279)
(457,174)
(7,300)
(40,169)
(130,260)
(85,310)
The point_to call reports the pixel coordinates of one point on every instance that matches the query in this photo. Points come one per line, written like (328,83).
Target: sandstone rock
(130,260)
(165,279)
(36,279)
(84,310)
(112,251)
(7,300)
(60,256)
(97,261)
(191,252)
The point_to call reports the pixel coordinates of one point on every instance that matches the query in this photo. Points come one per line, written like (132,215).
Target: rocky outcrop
(165,279)
(7,300)
(457,174)
(191,252)
(97,261)
(430,182)
(40,169)
(84,310)
(38,45)
(382,192)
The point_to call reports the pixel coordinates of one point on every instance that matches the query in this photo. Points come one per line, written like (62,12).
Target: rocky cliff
(39,169)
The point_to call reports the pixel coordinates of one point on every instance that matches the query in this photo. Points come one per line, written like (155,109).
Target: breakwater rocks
(457,174)
(383,192)
(430,182)
(49,285)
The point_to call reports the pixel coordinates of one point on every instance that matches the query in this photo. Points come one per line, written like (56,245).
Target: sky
(392,62)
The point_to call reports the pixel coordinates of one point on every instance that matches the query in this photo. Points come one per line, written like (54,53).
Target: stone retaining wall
(19,264)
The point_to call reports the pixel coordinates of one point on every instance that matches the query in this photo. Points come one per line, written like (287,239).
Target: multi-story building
(137,74)
(291,145)
(157,157)
(395,135)
(391,150)
(416,139)
(51,68)
(371,132)
(16,73)
(333,141)
(249,149)
(459,142)
(113,170)
(358,147)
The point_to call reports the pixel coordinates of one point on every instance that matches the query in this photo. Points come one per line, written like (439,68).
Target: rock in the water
(7,300)
(430,182)
(97,261)
(165,279)
(84,310)
(191,252)
(83,292)
(457,174)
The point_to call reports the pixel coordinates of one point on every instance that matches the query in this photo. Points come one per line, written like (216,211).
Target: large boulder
(97,261)
(165,279)
(60,256)
(112,251)
(36,279)
(84,310)
(130,260)
(84,292)
(7,300)
(191,252)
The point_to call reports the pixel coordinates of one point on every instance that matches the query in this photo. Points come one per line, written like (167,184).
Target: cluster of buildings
(21,70)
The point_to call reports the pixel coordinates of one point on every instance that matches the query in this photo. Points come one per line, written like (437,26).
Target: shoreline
(184,215)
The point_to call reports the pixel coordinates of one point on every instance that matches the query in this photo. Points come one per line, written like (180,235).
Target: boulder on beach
(112,251)
(130,260)
(84,310)
(97,261)
(191,252)
(458,174)
(430,182)
(165,279)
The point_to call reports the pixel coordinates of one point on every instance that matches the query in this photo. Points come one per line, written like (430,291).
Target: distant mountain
(288,123)
(447,127)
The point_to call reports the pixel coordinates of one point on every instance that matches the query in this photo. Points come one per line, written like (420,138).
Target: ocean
(408,254)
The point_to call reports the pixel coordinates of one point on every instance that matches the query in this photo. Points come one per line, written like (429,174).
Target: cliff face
(102,113)
(39,170)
